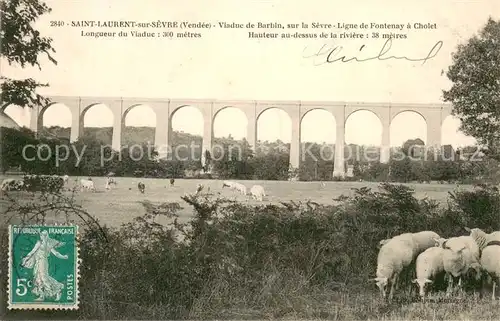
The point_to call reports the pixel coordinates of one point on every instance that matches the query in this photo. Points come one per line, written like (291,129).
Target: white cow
(235,186)
(9,184)
(257,192)
(241,188)
(109,181)
(6,183)
(87,185)
(229,184)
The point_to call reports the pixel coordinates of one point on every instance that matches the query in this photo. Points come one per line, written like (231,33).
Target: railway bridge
(434,115)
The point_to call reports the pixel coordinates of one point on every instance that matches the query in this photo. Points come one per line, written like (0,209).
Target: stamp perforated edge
(55,306)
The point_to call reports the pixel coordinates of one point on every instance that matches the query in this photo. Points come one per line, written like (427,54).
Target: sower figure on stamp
(38,259)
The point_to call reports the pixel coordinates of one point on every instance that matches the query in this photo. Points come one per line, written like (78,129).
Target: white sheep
(490,250)
(490,262)
(394,255)
(257,192)
(397,253)
(481,237)
(424,240)
(461,254)
(429,264)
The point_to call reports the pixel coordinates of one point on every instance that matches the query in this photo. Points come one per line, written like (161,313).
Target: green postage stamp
(43,267)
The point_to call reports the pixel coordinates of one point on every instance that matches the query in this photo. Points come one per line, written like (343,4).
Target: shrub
(43,183)
(478,208)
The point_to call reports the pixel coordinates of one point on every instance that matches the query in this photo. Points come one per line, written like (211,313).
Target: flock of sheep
(433,255)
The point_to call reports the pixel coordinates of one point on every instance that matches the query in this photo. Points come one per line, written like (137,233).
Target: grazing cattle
(235,186)
(240,188)
(257,192)
(12,184)
(109,181)
(172,181)
(141,187)
(230,184)
(87,184)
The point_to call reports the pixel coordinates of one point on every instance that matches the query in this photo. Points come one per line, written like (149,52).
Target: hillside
(141,135)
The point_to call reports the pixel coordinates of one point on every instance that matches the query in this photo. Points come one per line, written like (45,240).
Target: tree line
(92,155)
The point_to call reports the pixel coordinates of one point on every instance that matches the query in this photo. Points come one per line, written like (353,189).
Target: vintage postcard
(250,159)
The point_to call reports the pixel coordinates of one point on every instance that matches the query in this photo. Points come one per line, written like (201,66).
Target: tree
(475,93)
(12,142)
(208,161)
(22,45)
(410,147)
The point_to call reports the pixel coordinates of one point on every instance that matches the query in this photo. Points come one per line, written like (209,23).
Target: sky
(227,64)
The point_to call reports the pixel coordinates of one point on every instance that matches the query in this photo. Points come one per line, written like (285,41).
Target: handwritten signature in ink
(331,54)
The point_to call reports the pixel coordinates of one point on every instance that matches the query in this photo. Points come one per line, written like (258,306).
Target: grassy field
(121,204)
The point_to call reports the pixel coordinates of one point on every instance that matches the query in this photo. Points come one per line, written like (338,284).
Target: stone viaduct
(434,115)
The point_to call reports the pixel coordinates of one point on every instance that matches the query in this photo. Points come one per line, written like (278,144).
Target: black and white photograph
(249,160)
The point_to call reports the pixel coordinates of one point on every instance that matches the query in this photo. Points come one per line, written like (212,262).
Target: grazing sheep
(257,192)
(461,254)
(424,240)
(489,253)
(393,256)
(490,262)
(429,264)
(141,187)
(398,253)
